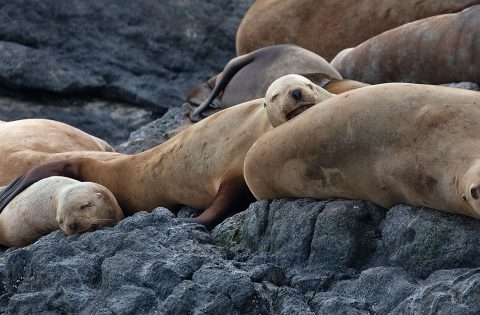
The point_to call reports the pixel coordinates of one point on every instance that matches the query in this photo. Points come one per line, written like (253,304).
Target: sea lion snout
(296,94)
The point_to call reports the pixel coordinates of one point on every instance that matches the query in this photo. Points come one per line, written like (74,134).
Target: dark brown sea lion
(247,77)
(329,26)
(435,50)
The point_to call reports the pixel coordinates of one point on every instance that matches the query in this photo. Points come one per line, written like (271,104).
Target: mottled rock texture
(278,257)
(144,52)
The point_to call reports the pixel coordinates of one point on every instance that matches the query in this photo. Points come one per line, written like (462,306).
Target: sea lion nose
(72,225)
(297,94)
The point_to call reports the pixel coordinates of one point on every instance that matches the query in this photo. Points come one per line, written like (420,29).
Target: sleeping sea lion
(390,143)
(53,203)
(435,50)
(329,26)
(247,77)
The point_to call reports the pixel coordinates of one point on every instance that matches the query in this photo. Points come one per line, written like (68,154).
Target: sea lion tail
(232,67)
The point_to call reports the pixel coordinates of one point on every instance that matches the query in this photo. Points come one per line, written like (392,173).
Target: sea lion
(28,142)
(53,203)
(247,77)
(390,143)
(435,50)
(201,167)
(326,27)
(291,95)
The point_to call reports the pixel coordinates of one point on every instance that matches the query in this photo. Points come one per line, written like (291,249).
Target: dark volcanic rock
(145,52)
(278,257)
(158,131)
(108,120)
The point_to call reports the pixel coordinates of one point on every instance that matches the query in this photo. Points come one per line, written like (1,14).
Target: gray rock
(283,256)
(108,120)
(157,131)
(146,52)
(464,85)
(424,240)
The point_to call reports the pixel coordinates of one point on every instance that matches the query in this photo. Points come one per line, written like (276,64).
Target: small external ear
(99,195)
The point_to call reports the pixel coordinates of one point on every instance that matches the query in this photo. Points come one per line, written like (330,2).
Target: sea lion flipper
(65,168)
(232,196)
(232,67)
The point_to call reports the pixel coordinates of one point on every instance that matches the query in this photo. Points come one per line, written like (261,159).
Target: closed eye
(274,98)
(87,205)
(310,86)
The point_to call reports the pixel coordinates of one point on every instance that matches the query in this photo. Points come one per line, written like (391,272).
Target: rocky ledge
(278,257)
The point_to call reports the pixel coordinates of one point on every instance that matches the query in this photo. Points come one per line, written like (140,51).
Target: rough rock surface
(144,52)
(279,257)
(109,120)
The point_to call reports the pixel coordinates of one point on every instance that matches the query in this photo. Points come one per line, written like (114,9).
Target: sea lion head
(86,206)
(289,96)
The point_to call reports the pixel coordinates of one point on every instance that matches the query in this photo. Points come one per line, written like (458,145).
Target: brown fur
(248,77)
(390,143)
(328,26)
(440,49)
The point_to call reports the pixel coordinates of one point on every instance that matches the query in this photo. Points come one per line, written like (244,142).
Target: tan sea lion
(328,26)
(389,143)
(435,50)
(53,203)
(28,142)
(291,95)
(247,77)
(201,167)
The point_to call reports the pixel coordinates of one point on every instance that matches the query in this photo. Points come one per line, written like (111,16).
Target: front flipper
(233,195)
(65,168)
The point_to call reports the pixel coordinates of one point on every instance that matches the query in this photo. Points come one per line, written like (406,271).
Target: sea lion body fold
(390,143)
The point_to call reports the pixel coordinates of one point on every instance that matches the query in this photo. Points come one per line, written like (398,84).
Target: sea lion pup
(248,77)
(291,95)
(201,167)
(53,203)
(435,50)
(328,26)
(391,143)
(28,142)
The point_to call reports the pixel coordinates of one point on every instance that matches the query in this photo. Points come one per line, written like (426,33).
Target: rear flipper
(65,168)
(232,67)
(232,197)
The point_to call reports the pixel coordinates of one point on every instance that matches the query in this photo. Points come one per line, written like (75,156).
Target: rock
(283,256)
(147,53)
(108,120)
(464,85)
(158,131)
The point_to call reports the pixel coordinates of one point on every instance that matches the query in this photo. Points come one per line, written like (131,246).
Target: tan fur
(187,169)
(434,50)
(53,203)
(28,142)
(280,102)
(390,143)
(328,26)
